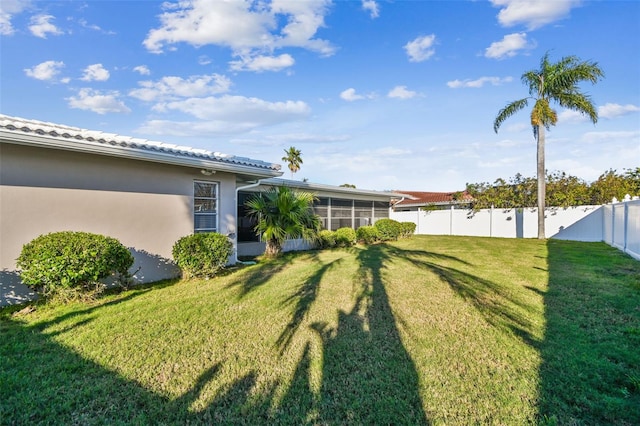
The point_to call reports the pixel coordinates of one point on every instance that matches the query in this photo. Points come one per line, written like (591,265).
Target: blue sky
(379,94)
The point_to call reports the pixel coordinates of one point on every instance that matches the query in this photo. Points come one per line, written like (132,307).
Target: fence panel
(619,226)
(616,224)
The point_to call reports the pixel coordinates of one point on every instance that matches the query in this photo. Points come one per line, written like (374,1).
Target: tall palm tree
(293,158)
(283,213)
(556,82)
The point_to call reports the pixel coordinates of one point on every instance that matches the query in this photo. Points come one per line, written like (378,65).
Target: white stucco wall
(146,206)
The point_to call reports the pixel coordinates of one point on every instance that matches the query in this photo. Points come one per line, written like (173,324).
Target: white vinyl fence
(621,227)
(582,223)
(617,224)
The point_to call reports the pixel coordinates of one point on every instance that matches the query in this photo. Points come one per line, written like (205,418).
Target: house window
(205,206)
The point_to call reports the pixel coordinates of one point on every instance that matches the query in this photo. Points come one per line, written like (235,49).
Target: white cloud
(41,26)
(9,8)
(98,102)
(173,88)
(592,137)
(83,23)
(571,116)
(245,27)
(391,151)
(477,83)
(204,60)
(95,72)
(304,138)
(508,46)
(518,127)
(350,95)
(372,7)
(45,70)
(252,111)
(401,92)
(533,13)
(142,70)
(421,48)
(226,114)
(262,63)
(610,110)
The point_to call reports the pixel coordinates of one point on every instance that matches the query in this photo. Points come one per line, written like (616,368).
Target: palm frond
(508,111)
(579,102)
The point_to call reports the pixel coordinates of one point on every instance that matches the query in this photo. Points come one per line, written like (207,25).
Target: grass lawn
(432,329)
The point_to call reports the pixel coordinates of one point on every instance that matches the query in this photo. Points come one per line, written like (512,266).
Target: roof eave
(133,154)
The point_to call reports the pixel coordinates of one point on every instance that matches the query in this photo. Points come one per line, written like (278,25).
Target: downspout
(393,207)
(235,201)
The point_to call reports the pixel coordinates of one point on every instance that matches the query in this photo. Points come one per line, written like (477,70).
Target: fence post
(626,224)
(491,221)
(451,221)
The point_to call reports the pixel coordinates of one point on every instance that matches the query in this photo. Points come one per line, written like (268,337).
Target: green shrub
(326,238)
(408,228)
(388,229)
(367,234)
(60,261)
(202,255)
(345,237)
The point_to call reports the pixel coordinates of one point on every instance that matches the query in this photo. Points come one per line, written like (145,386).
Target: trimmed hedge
(202,255)
(71,260)
(408,228)
(367,234)
(388,229)
(345,237)
(326,239)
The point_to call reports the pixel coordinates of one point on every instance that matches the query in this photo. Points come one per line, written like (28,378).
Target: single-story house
(418,200)
(146,194)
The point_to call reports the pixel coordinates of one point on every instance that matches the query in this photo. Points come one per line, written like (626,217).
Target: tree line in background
(562,190)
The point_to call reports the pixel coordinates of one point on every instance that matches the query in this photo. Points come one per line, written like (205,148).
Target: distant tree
(293,159)
(562,191)
(565,191)
(283,213)
(613,184)
(556,82)
(347,185)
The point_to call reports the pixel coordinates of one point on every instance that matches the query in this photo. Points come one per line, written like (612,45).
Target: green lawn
(432,329)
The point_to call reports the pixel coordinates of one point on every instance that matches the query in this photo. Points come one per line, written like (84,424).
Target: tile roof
(423,198)
(84,140)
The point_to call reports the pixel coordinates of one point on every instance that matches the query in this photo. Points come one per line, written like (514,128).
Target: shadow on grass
(494,302)
(590,371)
(42,382)
(367,375)
(303,299)
(257,275)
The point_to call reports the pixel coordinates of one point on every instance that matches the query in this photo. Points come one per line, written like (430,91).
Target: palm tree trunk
(542,186)
(273,248)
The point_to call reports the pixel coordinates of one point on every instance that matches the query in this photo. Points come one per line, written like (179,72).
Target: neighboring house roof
(339,190)
(419,198)
(49,135)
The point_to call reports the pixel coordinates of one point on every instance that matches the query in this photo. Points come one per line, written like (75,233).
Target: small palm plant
(283,214)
